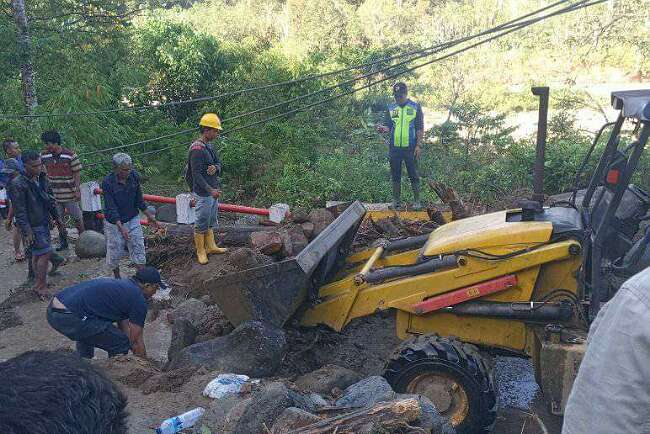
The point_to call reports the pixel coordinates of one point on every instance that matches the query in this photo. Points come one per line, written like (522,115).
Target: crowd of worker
(42,188)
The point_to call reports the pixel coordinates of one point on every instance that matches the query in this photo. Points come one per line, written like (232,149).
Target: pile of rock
(290,239)
(193,321)
(365,406)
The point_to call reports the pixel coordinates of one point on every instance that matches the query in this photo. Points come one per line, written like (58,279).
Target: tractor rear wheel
(452,374)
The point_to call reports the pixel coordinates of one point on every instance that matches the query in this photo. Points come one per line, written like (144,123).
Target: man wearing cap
(86,313)
(123,201)
(202,175)
(405,123)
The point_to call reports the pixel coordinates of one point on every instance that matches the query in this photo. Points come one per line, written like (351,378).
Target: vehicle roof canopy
(634,103)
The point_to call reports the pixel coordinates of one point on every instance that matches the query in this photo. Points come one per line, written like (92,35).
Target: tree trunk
(25,53)
(382,417)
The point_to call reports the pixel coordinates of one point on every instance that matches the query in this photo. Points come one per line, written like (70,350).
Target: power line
(579,5)
(272,85)
(428,52)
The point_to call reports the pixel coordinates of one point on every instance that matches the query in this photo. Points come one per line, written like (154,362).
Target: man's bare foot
(42,296)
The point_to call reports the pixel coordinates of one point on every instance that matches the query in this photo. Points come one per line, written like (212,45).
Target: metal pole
(538,170)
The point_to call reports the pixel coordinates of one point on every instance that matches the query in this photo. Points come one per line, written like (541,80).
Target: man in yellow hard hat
(202,175)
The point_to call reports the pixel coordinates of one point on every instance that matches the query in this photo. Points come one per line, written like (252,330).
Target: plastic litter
(224,385)
(178,423)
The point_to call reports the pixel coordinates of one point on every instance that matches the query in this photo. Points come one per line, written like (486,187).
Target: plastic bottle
(185,420)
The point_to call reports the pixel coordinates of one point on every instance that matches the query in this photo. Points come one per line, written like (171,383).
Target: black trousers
(406,155)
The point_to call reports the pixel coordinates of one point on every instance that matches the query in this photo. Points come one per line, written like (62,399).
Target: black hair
(79,397)
(7,142)
(28,156)
(51,136)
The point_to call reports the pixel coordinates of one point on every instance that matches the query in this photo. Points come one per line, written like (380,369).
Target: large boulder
(266,242)
(325,379)
(258,413)
(90,244)
(183,335)
(166,213)
(254,348)
(291,419)
(293,240)
(321,218)
(191,310)
(366,392)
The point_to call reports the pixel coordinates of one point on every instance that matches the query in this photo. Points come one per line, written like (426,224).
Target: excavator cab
(523,282)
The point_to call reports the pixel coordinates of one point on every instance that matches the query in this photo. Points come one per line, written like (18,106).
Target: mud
(363,346)
(188,277)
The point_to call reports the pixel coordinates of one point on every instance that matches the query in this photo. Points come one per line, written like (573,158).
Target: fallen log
(449,197)
(381,417)
(230,235)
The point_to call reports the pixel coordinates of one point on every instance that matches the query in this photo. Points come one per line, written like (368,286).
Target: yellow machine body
(543,266)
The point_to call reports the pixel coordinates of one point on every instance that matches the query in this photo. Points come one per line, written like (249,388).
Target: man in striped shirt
(63,170)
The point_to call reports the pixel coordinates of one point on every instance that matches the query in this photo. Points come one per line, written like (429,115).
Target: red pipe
(225,207)
(159,199)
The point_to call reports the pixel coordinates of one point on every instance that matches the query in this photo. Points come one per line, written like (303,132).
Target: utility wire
(272,85)
(440,47)
(579,5)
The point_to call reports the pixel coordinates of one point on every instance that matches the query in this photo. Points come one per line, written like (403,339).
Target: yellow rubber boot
(210,245)
(199,243)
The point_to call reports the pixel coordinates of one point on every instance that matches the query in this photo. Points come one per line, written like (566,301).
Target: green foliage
(107,54)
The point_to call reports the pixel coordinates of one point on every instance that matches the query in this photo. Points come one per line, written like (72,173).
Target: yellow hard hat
(210,120)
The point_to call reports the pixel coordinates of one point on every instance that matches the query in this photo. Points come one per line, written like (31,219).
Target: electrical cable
(272,85)
(579,5)
(441,47)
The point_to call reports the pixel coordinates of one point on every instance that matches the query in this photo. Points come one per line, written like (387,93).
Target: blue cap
(148,274)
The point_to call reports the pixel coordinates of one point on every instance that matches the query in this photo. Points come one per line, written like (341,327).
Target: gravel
(516,382)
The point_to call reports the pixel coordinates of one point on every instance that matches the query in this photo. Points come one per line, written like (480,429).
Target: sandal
(20,257)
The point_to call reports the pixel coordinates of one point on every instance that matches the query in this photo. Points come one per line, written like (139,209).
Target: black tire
(454,359)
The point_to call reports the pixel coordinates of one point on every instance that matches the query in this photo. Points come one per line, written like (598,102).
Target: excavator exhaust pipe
(272,293)
(540,150)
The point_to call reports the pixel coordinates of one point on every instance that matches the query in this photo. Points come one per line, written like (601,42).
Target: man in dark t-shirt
(85,313)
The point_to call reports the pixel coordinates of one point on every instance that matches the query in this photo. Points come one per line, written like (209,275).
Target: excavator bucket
(272,293)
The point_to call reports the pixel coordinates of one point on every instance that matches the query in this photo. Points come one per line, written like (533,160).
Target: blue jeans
(206,209)
(88,333)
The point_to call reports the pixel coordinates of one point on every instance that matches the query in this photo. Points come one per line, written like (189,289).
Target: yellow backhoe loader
(522,282)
